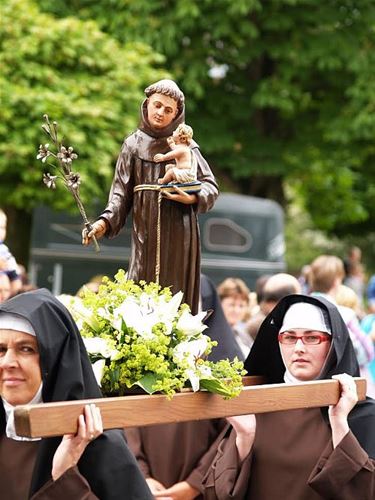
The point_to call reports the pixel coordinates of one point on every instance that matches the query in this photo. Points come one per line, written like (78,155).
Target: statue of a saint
(165,237)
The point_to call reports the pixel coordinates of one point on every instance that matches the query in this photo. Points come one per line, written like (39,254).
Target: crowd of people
(289,330)
(326,277)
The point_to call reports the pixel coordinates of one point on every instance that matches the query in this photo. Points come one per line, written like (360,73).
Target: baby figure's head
(183,134)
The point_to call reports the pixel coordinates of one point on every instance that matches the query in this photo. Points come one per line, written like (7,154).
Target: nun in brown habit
(43,359)
(171,456)
(305,454)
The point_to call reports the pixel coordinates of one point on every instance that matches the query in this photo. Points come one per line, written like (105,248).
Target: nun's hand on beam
(245,428)
(338,413)
(72,446)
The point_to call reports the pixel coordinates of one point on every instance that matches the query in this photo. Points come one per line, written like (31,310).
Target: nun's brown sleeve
(71,484)
(195,478)
(345,473)
(227,478)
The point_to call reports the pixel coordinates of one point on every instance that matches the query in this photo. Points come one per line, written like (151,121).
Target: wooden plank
(55,419)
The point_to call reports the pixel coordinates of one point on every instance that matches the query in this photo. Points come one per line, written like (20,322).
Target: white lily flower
(98,369)
(83,315)
(169,309)
(104,313)
(190,351)
(194,379)
(98,345)
(66,299)
(191,325)
(204,371)
(132,314)
(195,376)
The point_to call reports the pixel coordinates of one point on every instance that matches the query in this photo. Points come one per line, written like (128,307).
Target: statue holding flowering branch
(165,232)
(64,157)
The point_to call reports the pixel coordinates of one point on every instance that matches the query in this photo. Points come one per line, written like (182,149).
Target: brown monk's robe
(292,459)
(17,459)
(172,453)
(179,230)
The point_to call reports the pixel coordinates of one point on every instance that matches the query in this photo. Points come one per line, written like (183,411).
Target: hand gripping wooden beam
(55,419)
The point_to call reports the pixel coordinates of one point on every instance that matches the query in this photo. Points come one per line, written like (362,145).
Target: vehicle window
(224,235)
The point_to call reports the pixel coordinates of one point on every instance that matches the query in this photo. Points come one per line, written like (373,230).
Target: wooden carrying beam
(55,419)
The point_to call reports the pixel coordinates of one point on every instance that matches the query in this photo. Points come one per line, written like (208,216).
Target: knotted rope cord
(154,187)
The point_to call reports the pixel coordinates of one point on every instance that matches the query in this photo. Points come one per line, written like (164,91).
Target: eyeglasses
(309,339)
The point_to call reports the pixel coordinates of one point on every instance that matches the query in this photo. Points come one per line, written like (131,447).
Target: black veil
(218,327)
(107,464)
(265,359)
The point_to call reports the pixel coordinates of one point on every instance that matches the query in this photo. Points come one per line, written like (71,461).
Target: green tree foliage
(279,90)
(82,78)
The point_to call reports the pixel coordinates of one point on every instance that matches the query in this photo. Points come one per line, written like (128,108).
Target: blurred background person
(218,326)
(235,299)
(275,288)
(326,277)
(92,285)
(347,297)
(8,263)
(4,287)
(371,294)
(368,321)
(303,278)
(354,272)
(26,286)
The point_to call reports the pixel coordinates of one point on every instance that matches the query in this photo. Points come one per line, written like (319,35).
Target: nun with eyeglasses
(303,454)
(43,359)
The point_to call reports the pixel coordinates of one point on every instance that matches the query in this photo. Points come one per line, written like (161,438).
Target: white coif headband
(9,321)
(307,316)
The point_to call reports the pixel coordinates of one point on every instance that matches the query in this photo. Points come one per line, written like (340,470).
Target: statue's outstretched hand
(98,230)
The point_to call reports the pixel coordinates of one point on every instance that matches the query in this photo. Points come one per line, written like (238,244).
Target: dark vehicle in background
(241,236)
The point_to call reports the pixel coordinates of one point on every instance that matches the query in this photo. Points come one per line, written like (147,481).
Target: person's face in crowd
(303,361)
(161,110)
(4,287)
(20,375)
(3,227)
(234,308)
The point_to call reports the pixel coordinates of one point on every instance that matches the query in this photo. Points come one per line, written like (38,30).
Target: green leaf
(147,382)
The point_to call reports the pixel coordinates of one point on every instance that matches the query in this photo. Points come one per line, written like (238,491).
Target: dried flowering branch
(65,157)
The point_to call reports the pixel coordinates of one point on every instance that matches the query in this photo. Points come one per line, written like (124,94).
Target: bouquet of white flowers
(139,334)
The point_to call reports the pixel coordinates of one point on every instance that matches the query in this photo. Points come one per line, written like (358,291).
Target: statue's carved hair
(169,88)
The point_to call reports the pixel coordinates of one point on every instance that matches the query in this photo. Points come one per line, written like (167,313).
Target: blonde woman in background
(347,297)
(235,300)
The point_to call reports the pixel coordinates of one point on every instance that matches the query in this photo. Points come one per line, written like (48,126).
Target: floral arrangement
(141,335)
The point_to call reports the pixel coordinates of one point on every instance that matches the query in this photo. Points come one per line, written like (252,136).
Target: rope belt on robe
(154,187)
